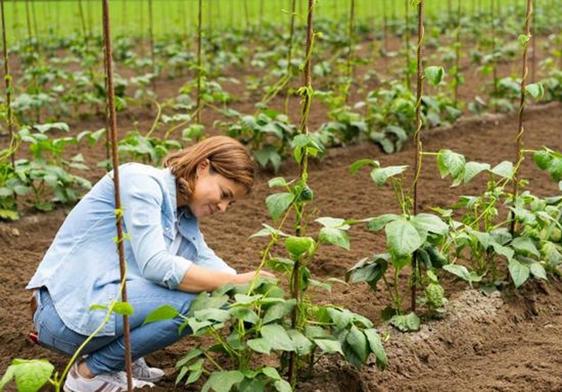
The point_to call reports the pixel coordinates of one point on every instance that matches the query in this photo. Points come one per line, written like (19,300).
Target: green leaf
(329,235)
(434,74)
(538,271)
(282,386)
(369,270)
(278,203)
(195,372)
(519,272)
(555,169)
(376,347)
(271,373)
(267,231)
(298,246)
(192,354)
(337,223)
(220,315)
(302,344)
(402,238)
(277,181)
(223,381)
(277,337)
(430,223)
(462,272)
(329,346)
(406,323)
(277,311)
(542,158)
(523,40)
(472,169)
(358,165)
(358,342)
(450,162)
(525,245)
(164,312)
(377,223)
(30,375)
(536,90)
(123,308)
(260,345)
(382,174)
(503,169)
(7,377)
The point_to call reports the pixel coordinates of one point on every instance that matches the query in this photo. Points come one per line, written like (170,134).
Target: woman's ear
(203,167)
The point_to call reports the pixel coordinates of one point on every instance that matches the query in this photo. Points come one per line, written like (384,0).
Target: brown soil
(507,343)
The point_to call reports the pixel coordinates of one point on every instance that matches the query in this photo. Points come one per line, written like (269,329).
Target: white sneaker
(105,382)
(142,371)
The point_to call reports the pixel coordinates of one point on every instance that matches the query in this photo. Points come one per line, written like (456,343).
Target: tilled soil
(507,342)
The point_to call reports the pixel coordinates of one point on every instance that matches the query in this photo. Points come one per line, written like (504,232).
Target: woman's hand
(198,279)
(249,276)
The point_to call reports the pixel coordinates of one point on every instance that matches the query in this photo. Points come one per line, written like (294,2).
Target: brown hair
(226,156)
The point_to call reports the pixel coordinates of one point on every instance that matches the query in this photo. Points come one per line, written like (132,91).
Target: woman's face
(212,192)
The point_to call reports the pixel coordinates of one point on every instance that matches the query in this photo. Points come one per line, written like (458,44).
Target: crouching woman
(168,261)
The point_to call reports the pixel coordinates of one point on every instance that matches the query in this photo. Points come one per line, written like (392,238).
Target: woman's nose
(223,205)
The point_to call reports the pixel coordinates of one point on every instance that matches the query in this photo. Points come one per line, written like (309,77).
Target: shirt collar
(170,180)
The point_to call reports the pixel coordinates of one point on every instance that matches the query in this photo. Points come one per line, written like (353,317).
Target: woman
(167,258)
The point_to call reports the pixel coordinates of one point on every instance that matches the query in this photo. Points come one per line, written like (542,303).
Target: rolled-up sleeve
(142,199)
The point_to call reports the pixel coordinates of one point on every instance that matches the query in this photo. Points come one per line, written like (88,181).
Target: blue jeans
(107,353)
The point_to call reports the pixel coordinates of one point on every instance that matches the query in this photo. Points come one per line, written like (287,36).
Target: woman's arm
(198,279)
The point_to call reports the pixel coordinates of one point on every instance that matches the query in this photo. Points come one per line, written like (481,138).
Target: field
(486,313)
(63,16)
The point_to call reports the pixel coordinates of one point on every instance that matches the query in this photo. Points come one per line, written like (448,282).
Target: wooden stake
(7,82)
(417,142)
(199,60)
(115,160)
(521,129)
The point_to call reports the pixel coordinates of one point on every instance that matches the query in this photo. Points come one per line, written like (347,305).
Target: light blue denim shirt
(81,267)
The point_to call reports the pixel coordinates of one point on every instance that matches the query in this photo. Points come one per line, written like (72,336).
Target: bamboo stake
(199,60)
(534,49)
(521,128)
(28,21)
(151,42)
(306,103)
(115,160)
(83,22)
(385,27)
(15,22)
(8,84)
(290,51)
(407,42)
(351,28)
(494,70)
(417,141)
(247,14)
(457,55)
